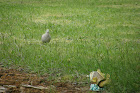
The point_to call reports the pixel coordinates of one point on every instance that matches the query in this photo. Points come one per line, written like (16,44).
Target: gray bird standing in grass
(46,37)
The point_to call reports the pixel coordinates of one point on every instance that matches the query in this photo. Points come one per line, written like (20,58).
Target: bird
(46,37)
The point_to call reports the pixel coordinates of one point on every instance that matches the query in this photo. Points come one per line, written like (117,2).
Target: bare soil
(15,81)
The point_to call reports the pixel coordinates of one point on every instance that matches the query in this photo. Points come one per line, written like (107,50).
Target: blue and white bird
(46,37)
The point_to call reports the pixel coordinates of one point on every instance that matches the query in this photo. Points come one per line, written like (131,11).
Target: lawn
(86,35)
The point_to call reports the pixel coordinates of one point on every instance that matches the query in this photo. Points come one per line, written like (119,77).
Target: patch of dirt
(14,81)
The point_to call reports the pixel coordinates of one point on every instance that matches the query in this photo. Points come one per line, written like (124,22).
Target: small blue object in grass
(95,87)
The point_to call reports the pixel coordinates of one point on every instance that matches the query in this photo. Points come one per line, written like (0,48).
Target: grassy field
(86,35)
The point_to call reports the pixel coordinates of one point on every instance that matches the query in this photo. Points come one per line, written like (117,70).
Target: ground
(16,81)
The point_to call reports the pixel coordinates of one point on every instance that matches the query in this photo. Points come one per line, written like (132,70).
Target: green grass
(86,35)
